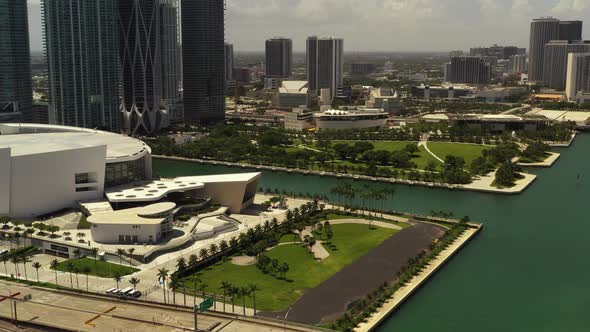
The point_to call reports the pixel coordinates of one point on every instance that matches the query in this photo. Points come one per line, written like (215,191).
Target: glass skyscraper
(81,42)
(16,96)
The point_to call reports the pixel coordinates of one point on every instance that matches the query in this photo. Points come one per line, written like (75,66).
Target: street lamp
(11,301)
(285,318)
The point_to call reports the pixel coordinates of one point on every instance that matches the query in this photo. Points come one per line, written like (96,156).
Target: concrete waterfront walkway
(545,163)
(406,291)
(365,222)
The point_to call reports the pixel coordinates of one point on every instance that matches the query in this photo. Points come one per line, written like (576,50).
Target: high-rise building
(171,60)
(229,62)
(517,64)
(570,30)
(469,70)
(456,53)
(543,30)
(81,44)
(325,65)
(555,61)
(578,74)
(279,57)
(203,51)
(500,52)
(141,64)
(16,96)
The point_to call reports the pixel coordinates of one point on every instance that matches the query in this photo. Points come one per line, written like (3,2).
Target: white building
(387,99)
(350,118)
(578,75)
(293,94)
(46,168)
(299,120)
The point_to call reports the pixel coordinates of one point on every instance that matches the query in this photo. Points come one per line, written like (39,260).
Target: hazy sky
(382,25)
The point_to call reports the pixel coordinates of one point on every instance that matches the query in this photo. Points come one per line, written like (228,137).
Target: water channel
(529,270)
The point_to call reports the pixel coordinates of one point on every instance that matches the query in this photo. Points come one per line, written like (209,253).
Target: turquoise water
(529,270)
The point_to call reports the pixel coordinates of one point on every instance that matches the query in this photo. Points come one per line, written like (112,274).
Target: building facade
(279,57)
(171,63)
(229,62)
(570,30)
(555,61)
(203,48)
(543,30)
(16,95)
(518,64)
(469,70)
(578,75)
(325,65)
(83,63)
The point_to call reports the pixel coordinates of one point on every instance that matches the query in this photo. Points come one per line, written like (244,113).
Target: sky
(381,25)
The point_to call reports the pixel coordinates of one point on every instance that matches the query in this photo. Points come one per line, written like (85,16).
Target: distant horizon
(380,26)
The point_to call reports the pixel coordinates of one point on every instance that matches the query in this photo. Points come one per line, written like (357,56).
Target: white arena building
(351,118)
(45,168)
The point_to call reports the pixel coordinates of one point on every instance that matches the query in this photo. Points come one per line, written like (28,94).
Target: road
(92,313)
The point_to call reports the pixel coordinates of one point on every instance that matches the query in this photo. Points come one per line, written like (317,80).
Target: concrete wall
(44,183)
(109,233)
(5,172)
(231,194)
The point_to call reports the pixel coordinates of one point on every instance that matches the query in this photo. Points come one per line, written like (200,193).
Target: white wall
(230,194)
(44,183)
(109,233)
(5,172)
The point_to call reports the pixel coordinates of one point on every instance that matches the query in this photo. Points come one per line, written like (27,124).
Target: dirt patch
(330,300)
(243,260)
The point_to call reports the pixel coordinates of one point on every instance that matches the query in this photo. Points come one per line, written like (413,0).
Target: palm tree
(202,289)
(37,266)
(213,249)
(174,286)
(226,286)
(15,260)
(54,265)
(196,281)
(25,260)
(181,264)
(134,282)
(244,292)
(120,253)
(80,235)
(94,252)
(131,251)
(163,275)
(254,288)
(77,253)
(70,268)
(76,271)
(117,278)
(193,260)
(204,253)
(86,270)
(5,259)
(233,291)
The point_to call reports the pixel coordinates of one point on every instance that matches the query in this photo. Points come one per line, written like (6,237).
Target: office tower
(279,57)
(500,52)
(16,96)
(469,70)
(171,66)
(229,62)
(325,65)
(81,44)
(578,74)
(456,53)
(543,30)
(555,61)
(570,30)
(203,60)
(141,64)
(518,64)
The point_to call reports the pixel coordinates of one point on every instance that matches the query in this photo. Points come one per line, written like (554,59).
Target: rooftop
(294,87)
(29,139)
(133,216)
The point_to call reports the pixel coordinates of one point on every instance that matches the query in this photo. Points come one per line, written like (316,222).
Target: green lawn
(98,268)
(290,238)
(83,223)
(350,243)
(469,152)
(337,215)
(382,145)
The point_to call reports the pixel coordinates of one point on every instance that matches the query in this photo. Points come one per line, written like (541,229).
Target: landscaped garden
(94,267)
(277,291)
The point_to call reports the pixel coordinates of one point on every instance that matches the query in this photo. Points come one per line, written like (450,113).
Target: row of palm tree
(347,193)
(243,292)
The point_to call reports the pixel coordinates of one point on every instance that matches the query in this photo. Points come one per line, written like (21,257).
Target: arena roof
(29,139)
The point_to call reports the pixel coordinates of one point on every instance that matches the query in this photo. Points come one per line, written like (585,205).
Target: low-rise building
(293,94)
(499,123)
(299,120)
(386,99)
(350,118)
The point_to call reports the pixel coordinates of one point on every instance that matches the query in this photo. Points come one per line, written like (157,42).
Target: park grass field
(350,242)
(469,152)
(97,268)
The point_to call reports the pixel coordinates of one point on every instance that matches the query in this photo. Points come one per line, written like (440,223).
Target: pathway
(365,222)
(424,142)
(317,249)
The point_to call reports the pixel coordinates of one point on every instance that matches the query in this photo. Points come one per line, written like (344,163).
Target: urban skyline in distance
(401,25)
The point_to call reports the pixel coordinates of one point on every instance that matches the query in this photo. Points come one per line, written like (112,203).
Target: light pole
(11,303)
(285,319)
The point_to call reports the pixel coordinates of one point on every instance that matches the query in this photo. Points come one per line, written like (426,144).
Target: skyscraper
(518,64)
(203,52)
(325,65)
(570,30)
(543,30)
(555,61)
(16,96)
(469,70)
(578,74)
(141,56)
(279,57)
(171,59)
(81,41)
(229,62)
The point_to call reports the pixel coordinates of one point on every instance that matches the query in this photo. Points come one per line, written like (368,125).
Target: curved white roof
(28,139)
(155,209)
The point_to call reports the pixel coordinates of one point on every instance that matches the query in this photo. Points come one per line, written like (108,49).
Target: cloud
(570,6)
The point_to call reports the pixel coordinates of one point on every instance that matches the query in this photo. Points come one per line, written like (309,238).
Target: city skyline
(414,25)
